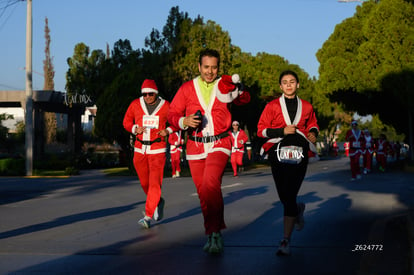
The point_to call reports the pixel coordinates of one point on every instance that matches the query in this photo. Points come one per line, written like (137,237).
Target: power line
(7,4)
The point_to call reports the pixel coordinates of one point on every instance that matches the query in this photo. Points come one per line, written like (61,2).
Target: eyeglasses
(148,94)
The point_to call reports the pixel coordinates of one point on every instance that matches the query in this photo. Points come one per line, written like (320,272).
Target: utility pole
(29,92)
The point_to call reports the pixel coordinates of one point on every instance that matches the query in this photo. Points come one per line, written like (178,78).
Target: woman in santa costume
(238,140)
(201,106)
(176,142)
(290,125)
(356,140)
(146,119)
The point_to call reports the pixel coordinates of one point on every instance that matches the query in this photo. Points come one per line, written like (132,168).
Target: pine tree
(50,123)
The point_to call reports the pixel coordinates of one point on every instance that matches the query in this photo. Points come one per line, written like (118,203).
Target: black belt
(208,139)
(149,142)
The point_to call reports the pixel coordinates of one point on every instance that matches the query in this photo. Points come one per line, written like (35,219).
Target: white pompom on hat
(149,86)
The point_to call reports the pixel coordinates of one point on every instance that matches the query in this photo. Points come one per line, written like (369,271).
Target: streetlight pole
(29,92)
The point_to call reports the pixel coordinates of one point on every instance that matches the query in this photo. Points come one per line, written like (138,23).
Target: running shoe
(217,244)
(284,249)
(208,243)
(145,222)
(159,211)
(300,220)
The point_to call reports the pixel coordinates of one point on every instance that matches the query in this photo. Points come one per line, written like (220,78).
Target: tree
(4,130)
(84,76)
(364,58)
(50,122)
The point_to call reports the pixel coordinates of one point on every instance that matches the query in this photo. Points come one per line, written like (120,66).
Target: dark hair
(210,53)
(288,72)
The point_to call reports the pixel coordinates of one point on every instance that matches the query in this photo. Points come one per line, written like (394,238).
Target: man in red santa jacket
(176,142)
(201,106)
(356,140)
(146,119)
(238,140)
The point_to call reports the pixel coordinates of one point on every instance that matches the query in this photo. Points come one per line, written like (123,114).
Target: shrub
(12,167)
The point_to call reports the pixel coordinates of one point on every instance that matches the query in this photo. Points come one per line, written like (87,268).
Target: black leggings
(288,179)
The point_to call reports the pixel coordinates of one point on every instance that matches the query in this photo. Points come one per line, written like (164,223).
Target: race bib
(151,122)
(356,144)
(289,154)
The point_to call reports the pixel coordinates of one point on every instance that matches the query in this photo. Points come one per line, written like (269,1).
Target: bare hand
(139,130)
(312,137)
(289,130)
(163,133)
(192,121)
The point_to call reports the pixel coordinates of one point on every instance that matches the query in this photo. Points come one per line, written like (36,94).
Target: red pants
(236,160)
(367,160)
(382,160)
(355,170)
(207,175)
(150,170)
(175,162)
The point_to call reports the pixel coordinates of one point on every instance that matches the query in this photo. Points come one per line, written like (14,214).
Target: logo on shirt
(289,154)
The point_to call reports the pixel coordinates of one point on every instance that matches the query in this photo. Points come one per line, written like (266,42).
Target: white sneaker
(145,222)
(159,211)
(284,248)
(358,177)
(177,174)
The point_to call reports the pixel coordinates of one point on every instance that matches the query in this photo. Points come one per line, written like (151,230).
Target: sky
(292,29)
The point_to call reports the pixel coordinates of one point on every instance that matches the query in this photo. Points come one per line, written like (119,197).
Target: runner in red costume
(289,124)
(368,152)
(201,106)
(238,140)
(382,148)
(176,142)
(146,118)
(356,140)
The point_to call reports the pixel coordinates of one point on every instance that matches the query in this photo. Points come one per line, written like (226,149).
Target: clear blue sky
(293,29)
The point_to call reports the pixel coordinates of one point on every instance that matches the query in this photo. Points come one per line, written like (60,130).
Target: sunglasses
(148,94)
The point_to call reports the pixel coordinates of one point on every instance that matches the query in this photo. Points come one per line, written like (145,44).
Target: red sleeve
(177,108)
(242,99)
(129,118)
(265,120)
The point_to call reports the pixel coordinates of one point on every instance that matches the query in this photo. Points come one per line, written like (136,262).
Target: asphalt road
(87,224)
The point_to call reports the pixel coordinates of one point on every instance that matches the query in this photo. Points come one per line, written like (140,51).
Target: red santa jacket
(149,142)
(356,141)
(216,116)
(238,140)
(382,147)
(176,142)
(275,115)
(368,144)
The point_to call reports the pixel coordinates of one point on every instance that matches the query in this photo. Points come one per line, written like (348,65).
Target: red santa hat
(149,86)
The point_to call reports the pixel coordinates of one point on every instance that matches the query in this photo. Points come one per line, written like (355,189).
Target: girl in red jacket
(290,125)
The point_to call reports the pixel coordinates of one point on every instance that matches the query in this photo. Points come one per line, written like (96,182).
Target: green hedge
(12,167)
